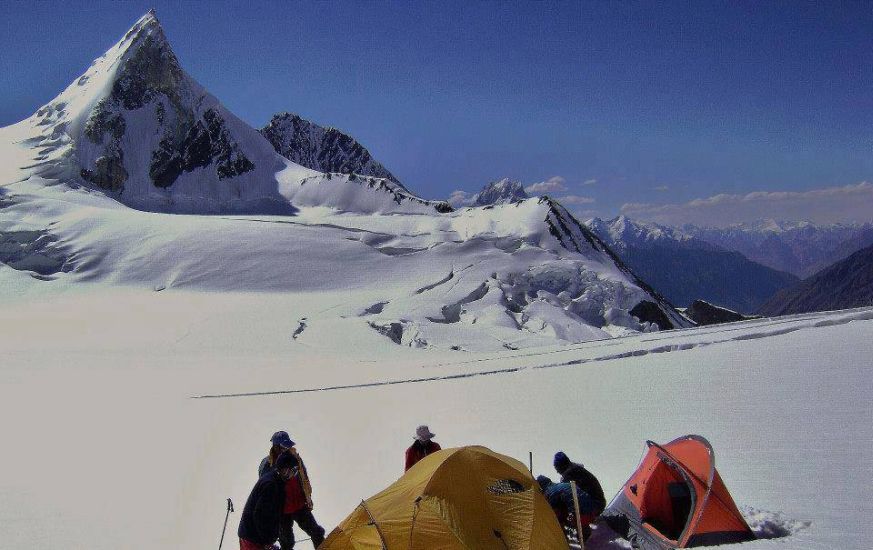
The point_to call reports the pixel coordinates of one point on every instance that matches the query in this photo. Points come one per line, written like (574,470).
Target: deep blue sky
(696,98)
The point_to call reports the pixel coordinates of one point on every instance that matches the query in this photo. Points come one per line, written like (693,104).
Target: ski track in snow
(863,315)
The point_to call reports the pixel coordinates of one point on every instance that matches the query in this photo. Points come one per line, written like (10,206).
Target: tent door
(668,501)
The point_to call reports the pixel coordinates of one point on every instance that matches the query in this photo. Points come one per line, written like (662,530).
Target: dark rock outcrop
(321,148)
(649,312)
(704,313)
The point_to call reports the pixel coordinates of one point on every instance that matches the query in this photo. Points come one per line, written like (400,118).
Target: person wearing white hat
(422,446)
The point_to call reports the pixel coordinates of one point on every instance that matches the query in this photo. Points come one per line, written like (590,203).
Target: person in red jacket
(423,446)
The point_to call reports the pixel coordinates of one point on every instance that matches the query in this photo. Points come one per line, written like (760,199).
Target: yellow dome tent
(463,498)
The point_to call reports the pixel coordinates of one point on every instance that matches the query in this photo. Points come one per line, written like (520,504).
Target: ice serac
(500,192)
(575,236)
(322,148)
(140,129)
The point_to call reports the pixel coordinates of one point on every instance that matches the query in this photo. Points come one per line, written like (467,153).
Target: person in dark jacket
(560,498)
(422,446)
(585,480)
(298,494)
(262,514)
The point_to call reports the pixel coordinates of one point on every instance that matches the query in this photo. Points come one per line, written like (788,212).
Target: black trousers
(306,521)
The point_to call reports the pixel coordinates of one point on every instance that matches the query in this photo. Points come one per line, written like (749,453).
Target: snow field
(101,435)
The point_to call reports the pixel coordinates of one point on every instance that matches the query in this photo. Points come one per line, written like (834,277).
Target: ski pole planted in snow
(530,461)
(226,516)
(578,519)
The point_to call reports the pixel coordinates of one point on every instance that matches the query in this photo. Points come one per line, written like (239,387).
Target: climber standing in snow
(298,494)
(422,446)
(262,515)
(585,480)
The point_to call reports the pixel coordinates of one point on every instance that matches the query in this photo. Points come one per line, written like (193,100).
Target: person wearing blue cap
(281,442)
(298,493)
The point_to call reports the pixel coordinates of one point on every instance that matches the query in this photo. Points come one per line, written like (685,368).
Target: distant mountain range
(845,284)
(684,268)
(801,248)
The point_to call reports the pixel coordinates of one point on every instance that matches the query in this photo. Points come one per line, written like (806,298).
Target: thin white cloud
(661,188)
(551,185)
(850,203)
(575,200)
(592,181)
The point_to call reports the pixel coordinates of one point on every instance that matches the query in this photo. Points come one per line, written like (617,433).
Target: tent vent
(504,486)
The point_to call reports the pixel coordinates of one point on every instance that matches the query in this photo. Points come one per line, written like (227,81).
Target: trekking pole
(578,518)
(530,461)
(226,516)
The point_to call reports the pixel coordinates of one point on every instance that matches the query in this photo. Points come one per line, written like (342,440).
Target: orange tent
(676,499)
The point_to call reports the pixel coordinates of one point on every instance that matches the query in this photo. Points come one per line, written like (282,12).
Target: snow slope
(105,448)
(474,279)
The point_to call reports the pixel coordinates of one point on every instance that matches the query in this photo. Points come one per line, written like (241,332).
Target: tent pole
(376,525)
(578,518)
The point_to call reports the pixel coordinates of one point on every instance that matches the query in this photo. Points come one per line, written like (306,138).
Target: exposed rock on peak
(136,126)
(322,148)
(500,192)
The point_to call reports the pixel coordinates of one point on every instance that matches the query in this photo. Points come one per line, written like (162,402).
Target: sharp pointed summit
(138,128)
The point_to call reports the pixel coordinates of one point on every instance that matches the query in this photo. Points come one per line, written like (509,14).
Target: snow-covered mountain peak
(502,191)
(138,128)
